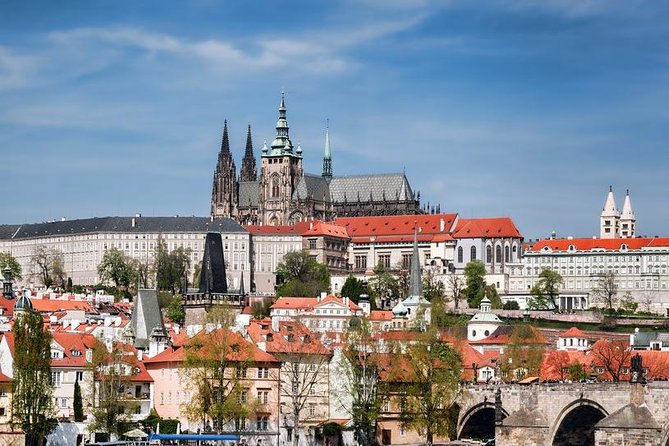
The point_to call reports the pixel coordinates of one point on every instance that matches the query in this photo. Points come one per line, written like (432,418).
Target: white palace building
(641,264)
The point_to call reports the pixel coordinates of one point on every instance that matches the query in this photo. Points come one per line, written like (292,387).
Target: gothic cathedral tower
(224,191)
(281,171)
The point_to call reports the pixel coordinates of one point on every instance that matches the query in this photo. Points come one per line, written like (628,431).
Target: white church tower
(627,219)
(610,218)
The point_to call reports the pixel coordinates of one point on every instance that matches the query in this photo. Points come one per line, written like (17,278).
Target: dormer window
(75,352)
(269,337)
(290,337)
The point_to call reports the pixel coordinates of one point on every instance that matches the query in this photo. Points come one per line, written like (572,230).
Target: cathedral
(283,194)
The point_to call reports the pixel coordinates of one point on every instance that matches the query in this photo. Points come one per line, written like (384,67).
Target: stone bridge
(580,414)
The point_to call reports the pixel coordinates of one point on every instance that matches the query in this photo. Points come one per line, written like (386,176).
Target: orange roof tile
(573,332)
(398,227)
(381,315)
(54,305)
(588,244)
(292,337)
(320,228)
(486,227)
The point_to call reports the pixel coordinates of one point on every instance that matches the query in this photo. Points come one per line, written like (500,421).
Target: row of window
(488,255)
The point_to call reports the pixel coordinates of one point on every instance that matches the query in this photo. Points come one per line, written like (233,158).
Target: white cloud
(16,70)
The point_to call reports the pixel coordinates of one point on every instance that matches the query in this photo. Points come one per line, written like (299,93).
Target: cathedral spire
(225,144)
(327,156)
(415,285)
(281,143)
(609,219)
(249,172)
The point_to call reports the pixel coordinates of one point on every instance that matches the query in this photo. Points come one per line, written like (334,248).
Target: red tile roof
(316,228)
(486,227)
(54,305)
(398,227)
(4,378)
(309,303)
(381,315)
(573,332)
(588,244)
(74,349)
(292,337)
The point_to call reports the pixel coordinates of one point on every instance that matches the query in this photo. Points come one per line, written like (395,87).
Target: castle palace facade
(283,194)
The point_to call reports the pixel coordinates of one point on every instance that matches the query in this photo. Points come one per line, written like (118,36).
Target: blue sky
(528,109)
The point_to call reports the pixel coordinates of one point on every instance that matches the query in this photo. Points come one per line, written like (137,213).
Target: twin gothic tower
(283,194)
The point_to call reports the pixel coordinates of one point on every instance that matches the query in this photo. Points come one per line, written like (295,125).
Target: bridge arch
(575,423)
(479,421)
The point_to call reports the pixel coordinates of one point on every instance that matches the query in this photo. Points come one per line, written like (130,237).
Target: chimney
(442,225)
(275,324)
(134,222)
(323,296)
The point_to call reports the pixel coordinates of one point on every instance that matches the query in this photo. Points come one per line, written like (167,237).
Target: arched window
(275,186)
(498,254)
(460,255)
(472,253)
(506,254)
(488,254)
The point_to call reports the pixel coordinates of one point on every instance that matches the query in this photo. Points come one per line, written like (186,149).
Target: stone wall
(626,437)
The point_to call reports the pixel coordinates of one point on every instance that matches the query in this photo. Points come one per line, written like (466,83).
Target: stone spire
(224,188)
(610,218)
(249,171)
(327,156)
(281,142)
(415,279)
(627,219)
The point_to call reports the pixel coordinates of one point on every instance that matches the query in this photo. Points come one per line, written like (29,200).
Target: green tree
(546,292)
(475,283)
(606,290)
(353,288)
(117,268)
(112,372)
(361,365)
(490,291)
(382,285)
(216,364)
(49,264)
(8,260)
(77,403)
(32,390)
(300,275)
(511,305)
(628,304)
(261,310)
(172,268)
(175,311)
(432,286)
(434,370)
(576,372)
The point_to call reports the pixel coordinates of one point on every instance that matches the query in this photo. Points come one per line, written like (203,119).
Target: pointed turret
(249,171)
(415,279)
(627,218)
(224,189)
(327,155)
(225,144)
(610,218)
(281,143)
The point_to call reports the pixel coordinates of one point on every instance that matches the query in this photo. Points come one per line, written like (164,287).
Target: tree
(361,367)
(524,352)
(475,283)
(490,291)
(49,265)
(112,371)
(144,270)
(353,288)
(556,365)
(456,284)
(613,356)
(216,365)
(432,286)
(175,311)
(32,390)
(8,260)
(432,370)
(300,275)
(172,268)
(262,309)
(511,305)
(546,292)
(439,316)
(606,290)
(382,285)
(77,403)
(117,268)
(628,304)
(303,376)
(576,372)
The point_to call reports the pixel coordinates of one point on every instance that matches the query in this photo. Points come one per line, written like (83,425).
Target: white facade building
(83,243)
